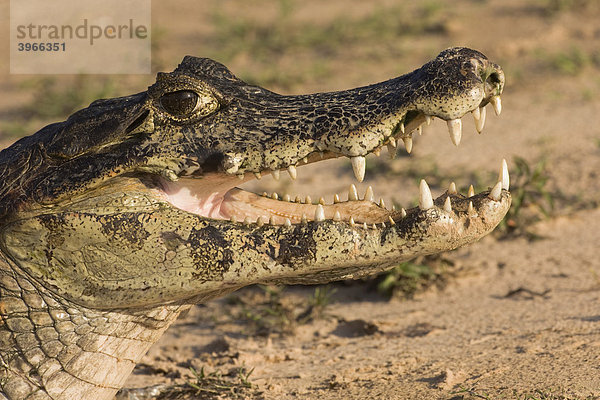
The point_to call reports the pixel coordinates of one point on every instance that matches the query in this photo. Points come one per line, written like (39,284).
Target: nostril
(495,83)
(495,79)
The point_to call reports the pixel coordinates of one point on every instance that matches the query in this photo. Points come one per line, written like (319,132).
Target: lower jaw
(246,206)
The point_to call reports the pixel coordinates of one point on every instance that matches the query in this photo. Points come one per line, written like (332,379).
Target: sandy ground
(515,318)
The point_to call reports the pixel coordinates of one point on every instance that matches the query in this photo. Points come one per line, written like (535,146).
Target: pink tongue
(202,196)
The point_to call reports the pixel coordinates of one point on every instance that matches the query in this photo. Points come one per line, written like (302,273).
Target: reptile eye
(179,103)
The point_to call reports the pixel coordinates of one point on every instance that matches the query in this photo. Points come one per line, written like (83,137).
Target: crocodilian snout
(257,131)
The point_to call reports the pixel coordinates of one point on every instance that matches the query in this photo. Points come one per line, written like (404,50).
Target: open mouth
(215,195)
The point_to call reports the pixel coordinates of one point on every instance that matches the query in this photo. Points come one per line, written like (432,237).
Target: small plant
(316,304)
(271,315)
(408,278)
(216,384)
(571,62)
(554,7)
(58,100)
(531,198)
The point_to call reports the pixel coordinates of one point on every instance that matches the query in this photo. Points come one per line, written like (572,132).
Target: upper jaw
(258,132)
(295,130)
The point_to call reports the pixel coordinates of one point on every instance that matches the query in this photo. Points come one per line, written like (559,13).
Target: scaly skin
(116,220)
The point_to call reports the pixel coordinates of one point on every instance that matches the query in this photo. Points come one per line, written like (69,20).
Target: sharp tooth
(408,143)
(351,221)
(275,196)
(321,201)
(374,226)
(448,205)
(393,207)
(471,191)
(401,126)
(247,221)
(287,222)
(358,166)
(479,117)
(425,199)
(403,212)
(292,171)
(352,193)
(287,197)
(381,203)
(275,174)
(377,151)
(233,219)
(319,213)
(470,209)
(337,216)
(272,220)
(259,221)
(496,192)
(305,159)
(391,220)
(365,225)
(304,220)
(497,104)
(308,200)
(258,175)
(383,224)
(298,199)
(452,188)
(391,151)
(420,130)
(265,194)
(392,141)
(336,198)
(428,119)
(503,177)
(369,194)
(455,130)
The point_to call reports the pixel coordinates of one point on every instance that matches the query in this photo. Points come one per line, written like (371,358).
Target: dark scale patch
(298,248)
(171,240)
(123,228)
(407,228)
(56,226)
(467,224)
(256,240)
(211,252)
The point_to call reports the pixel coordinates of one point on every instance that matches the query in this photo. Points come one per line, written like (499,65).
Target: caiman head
(132,202)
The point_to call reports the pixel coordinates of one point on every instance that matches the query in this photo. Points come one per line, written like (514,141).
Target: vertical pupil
(179,103)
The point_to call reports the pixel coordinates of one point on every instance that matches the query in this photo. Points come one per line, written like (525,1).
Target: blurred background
(549,132)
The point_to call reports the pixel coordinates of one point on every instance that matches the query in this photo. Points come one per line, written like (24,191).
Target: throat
(68,351)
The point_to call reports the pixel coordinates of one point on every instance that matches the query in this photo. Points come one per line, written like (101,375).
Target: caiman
(116,220)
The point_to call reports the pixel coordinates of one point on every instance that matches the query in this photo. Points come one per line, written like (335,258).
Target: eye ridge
(179,103)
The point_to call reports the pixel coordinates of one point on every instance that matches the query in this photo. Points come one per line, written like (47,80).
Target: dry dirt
(517,316)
